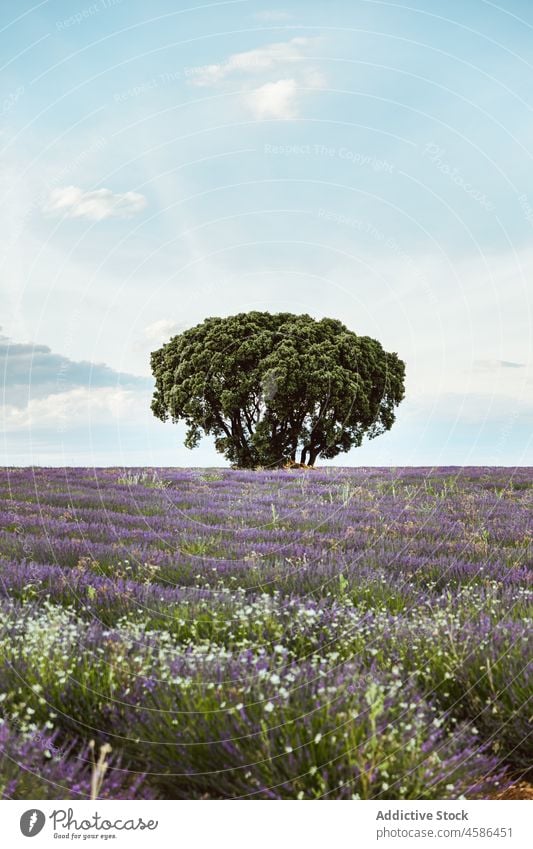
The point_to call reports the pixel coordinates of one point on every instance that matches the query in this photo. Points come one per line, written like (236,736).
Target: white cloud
(79,406)
(258,60)
(97,205)
(274,100)
(158,333)
(161,331)
(267,98)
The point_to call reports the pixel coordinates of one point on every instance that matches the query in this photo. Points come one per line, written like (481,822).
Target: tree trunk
(241,444)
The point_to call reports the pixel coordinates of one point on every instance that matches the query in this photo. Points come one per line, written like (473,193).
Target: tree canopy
(276,387)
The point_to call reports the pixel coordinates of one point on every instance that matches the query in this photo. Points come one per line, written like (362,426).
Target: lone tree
(270,387)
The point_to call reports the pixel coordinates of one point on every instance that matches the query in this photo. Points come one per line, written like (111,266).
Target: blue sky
(365,160)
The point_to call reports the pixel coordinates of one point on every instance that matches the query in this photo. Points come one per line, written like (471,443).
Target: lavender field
(329,633)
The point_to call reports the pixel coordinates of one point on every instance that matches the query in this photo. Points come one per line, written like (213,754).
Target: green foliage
(269,386)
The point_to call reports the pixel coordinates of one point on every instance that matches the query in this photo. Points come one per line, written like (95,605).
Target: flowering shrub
(278,634)
(32,767)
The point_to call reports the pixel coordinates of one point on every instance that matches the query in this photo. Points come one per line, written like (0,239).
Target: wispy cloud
(256,61)
(273,16)
(494,365)
(161,331)
(254,69)
(73,202)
